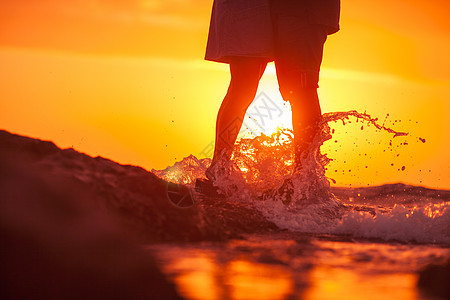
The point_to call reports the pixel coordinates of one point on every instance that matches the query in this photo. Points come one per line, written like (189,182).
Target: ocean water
(333,243)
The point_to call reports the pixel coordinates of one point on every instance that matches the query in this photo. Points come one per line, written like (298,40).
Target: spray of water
(263,163)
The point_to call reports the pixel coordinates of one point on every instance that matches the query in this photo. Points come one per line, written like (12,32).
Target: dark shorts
(298,46)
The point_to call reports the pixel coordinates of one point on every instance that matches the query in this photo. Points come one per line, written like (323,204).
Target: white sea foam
(427,224)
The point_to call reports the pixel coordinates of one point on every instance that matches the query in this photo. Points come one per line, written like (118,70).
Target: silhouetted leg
(306,114)
(245,76)
(298,56)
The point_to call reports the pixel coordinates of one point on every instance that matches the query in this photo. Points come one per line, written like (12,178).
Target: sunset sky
(126,79)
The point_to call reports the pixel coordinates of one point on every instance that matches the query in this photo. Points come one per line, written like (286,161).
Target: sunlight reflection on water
(339,283)
(280,268)
(202,276)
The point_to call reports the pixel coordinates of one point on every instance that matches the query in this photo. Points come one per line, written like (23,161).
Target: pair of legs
(245,76)
(298,49)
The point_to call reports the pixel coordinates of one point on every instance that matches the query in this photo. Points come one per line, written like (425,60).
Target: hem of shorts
(227,59)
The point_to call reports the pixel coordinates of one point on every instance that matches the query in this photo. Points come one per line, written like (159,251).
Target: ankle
(217,168)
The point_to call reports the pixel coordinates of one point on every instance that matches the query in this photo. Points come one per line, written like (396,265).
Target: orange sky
(126,80)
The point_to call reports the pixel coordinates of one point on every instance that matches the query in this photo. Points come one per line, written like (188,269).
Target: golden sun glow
(126,80)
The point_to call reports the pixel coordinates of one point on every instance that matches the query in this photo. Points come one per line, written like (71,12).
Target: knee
(299,95)
(244,89)
(305,104)
(298,84)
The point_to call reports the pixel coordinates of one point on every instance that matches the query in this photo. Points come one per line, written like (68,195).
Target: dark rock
(435,280)
(135,198)
(57,244)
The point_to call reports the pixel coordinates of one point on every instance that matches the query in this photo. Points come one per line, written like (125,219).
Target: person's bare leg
(306,114)
(245,76)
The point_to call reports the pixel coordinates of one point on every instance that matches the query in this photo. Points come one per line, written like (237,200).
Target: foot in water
(285,192)
(207,187)
(218,171)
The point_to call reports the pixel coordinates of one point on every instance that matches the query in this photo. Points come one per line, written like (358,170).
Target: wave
(390,212)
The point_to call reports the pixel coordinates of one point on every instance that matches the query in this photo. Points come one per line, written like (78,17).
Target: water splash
(343,116)
(266,161)
(185,171)
(262,163)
